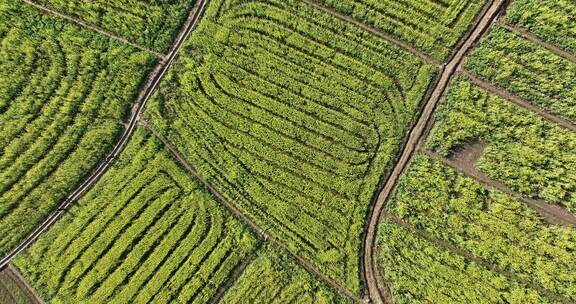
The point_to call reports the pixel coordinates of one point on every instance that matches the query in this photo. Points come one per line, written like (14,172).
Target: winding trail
(145,93)
(369,260)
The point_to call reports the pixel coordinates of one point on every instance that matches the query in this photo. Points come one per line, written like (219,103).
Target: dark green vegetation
(487,224)
(421,271)
(530,155)
(293,116)
(551,20)
(152,23)
(273,277)
(12,291)
(64,94)
(433,27)
(526,70)
(146,232)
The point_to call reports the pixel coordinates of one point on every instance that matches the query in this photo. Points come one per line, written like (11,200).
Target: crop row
(145,233)
(526,70)
(433,27)
(285,110)
(64,94)
(530,155)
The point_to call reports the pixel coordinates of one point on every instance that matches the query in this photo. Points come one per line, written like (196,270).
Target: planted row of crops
(501,230)
(421,271)
(526,70)
(529,154)
(145,233)
(288,111)
(64,95)
(550,20)
(151,23)
(274,277)
(433,27)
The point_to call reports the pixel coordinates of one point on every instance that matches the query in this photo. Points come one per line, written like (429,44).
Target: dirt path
(12,273)
(92,27)
(245,219)
(375,31)
(145,93)
(519,101)
(448,71)
(552,214)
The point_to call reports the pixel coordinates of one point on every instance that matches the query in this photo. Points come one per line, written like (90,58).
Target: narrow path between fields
(92,27)
(244,218)
(370,263)
(145,93)
(13,274)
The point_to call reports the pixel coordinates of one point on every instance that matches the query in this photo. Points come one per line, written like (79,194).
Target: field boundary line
(506,95)
(542,207)
(478,260)
(408,149)
(244,218)
(398,43)
(92,27)
(14,273)
(146,91)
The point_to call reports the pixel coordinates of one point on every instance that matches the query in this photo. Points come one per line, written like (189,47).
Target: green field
(147,232)
(285,110)
(433,27)
(522,150)
(273,277)
(151,23)
(526,70)
(64,95)
(550,20)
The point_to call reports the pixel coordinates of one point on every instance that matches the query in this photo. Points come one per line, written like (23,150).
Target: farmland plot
(532,156)
(526,70)
(287,110)
(273,277)
(64,95)
(151,23)
(488,224)
(433,27)
(147,232)
(551,20)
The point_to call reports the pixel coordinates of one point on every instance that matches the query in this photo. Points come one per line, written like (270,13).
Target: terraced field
(64,95)
(286,110)
(146,233)
(273,277)
(152,23)
(433,27)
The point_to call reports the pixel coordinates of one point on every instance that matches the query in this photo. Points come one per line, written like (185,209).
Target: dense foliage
(551,20)
(147,232)
(526,70)
(495,227)
(13,291)
(64,95)
(152,23)
(420,271)
(434,27)
(524,151)
(288,111)
(274,277)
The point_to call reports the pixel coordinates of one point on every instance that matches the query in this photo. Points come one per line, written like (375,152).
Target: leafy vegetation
(527,70)
(152,23)
(64,95)
(274,277)
(551,20)
(147,232)
(434,27)
(287,110)
(527,153)
(495,227)
(12,291)
(420,271)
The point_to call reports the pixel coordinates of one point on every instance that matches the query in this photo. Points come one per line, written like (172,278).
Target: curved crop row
(286,111)
(64,95)
(145,233)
